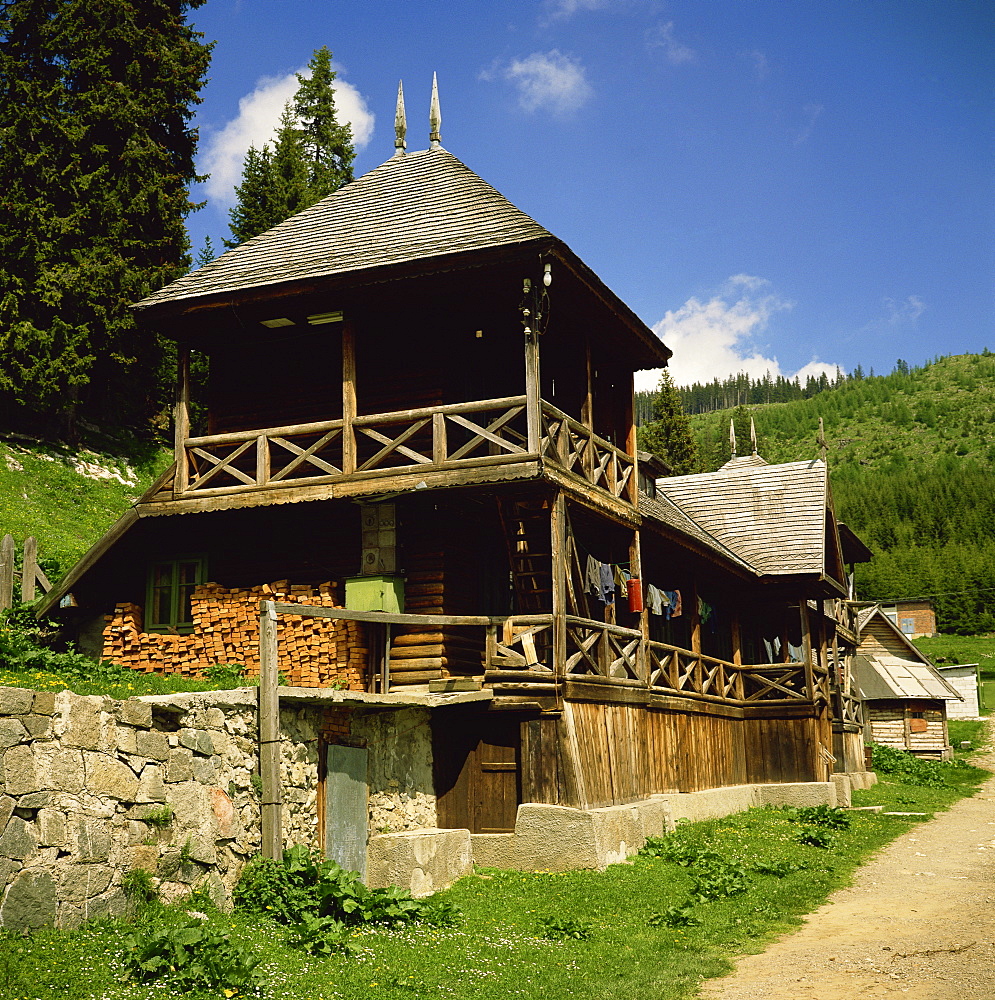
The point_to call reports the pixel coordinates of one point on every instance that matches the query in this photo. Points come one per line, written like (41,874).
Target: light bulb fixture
(547,275)
(277,322)
(527,286)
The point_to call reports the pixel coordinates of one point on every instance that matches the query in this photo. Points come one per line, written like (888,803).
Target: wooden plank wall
(600,754)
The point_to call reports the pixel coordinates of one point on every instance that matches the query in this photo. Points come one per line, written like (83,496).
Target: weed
(779,869)
(189,954)
(562,928)
(226,674)
(678,915)
(321,936)
(718,879)
(159,817)
(139,887)
(815,836)
(186,852)
(828,816)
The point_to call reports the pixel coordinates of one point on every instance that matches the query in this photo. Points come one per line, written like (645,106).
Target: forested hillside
(912,457)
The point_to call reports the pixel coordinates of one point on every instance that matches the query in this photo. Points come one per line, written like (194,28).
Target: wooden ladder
(527,533)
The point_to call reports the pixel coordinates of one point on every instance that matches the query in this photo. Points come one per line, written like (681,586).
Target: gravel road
(920,921)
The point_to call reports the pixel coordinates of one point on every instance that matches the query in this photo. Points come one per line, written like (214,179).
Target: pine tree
(96,153)
(668,434)
(311,157)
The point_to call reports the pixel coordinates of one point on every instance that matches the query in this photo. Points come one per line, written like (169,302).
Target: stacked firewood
(313,652)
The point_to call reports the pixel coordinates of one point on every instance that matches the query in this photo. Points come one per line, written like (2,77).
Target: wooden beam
(631,442)
(348,397)
(269,733)
(533,412)
(587,407)
(561,569)
(807,649)
(181,419)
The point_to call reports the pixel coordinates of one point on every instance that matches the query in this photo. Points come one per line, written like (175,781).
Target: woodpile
(313,652)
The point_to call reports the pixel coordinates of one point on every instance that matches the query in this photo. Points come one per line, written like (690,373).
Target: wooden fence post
(29,570)
(269,734)
(7,572)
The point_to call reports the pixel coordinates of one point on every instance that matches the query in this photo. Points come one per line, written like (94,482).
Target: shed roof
(883,677)
(773,516)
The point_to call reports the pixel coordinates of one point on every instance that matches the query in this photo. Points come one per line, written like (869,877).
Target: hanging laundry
(607,584)
(622,578)
(673,603)
(592,577)
(704,611)
(654,600)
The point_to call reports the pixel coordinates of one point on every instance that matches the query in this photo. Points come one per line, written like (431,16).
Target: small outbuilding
(905,697)
(963,678)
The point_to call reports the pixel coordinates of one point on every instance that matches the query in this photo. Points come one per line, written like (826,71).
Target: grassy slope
(41,494)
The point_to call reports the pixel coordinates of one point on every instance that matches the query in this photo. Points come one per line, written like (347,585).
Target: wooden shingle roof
(879,676)
(421,205)
(773,516)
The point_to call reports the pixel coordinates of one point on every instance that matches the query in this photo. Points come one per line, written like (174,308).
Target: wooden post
(7,572)
(29,569)
(181,420)
(533,407)
(262,460)
(636,571)
(439,445)
(348,398)
(560,569)
(631,444)
(587,412)
(699,668)
(269,733)
(807,649)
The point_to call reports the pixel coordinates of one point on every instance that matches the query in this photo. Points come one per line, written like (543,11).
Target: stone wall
(91,788)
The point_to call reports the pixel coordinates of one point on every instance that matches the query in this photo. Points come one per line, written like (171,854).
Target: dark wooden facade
(487,396)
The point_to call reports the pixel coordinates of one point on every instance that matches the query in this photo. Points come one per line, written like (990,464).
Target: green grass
(978,649)
(499,950)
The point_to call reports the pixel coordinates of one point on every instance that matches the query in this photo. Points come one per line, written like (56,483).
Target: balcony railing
(450,436)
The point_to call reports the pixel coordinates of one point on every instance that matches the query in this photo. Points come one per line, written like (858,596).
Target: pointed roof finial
(753,436)
(732,436)
(400,123)
(435,117)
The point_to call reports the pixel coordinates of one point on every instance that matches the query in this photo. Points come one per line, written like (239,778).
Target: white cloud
(557,10)
(258,117)
(546,80)
(906,311)
(811,112)
(718,337)
(662,36)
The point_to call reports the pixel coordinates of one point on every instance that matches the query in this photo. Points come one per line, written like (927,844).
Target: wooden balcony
(383,450)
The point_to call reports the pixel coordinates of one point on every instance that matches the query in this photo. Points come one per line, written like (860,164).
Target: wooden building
(905,698)
(420,420)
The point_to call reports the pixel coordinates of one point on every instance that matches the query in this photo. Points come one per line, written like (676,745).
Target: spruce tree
(668,434)
(96,153)
(311,157)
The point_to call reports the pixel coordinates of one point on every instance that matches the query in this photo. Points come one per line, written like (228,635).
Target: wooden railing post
(262,460)
(348,398)
(807,650)
(560,569)
(533,405)
(181,420)
(269,733)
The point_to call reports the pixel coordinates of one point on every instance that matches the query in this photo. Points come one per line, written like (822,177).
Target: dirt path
(921,921)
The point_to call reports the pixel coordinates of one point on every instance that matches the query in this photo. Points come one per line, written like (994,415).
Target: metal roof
(420,205)
(772,516)
(882,677)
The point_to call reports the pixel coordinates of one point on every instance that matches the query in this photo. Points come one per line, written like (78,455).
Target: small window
(171,587)
(908,625)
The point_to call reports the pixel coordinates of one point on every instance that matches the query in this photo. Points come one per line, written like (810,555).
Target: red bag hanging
(635,589)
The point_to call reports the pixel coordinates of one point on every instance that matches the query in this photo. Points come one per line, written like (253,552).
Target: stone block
(81,727)
(618,832)
(62,770)
(136,713)
(188,738)
(89,838)
(34,800)
(153,745)
(191,806)
(127,740)
(78,883)
(228,826)
(51,828)
(39,727)
(144,856)
(214,718)
(106,776)
(7,804)
(43,703)
(843,790)
(15,701)
(21,771)
(29,901)
(422,861)
(179,766)
(150,786)
(201,848)
(8,869)
(205,745)
(12,732)
(18,840)
(799,793)
(204,770)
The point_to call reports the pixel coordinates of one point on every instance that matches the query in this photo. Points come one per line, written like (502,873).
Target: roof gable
(413,207)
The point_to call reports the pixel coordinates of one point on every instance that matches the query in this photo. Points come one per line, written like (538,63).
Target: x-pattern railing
(602,650)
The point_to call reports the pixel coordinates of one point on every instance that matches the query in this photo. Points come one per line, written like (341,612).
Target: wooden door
(498,776)
(346,809)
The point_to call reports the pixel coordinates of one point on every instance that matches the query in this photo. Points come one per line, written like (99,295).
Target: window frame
(174,626)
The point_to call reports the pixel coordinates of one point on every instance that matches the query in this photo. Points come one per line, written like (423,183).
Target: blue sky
(770,185)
